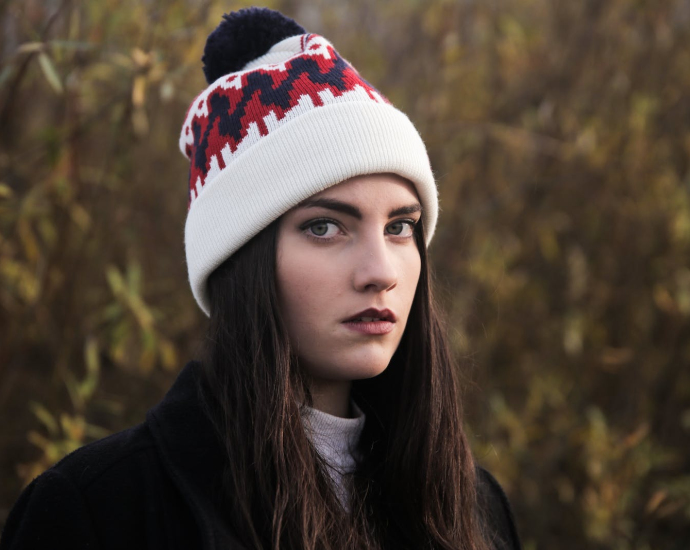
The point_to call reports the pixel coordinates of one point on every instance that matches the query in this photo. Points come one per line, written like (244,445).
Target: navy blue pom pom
(242,36)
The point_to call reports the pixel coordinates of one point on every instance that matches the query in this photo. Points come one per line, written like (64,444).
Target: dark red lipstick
(373,313)
(372,321)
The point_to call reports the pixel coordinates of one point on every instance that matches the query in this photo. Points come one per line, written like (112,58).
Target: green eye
(319,229)
(322,230)
(401,229)
(396,228)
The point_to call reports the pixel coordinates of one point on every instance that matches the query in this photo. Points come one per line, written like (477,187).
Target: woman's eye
(401,229)
(323,229)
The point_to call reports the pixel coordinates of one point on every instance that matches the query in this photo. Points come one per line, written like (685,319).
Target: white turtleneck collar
(335,439)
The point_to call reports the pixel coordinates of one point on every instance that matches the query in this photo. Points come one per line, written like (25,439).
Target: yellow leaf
(49,72)
(118,353)
(91,356)
(73,426)
(168,354)
(139,91)
(140,57)
(657,498)
(28,239)
(31,47)
(23,279)
(80,217)
(45,417)
(147,360)
(141,312)
(5,191)
(38,440)
(663,299)
(47,230)
(633,439)
(134,277)
(117,284)
(73,389)
(120,60)
(88,385)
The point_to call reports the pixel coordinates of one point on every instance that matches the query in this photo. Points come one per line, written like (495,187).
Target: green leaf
(73,389)
(93,367)
(111,312)
(134,278)
(45,417)
(117,284)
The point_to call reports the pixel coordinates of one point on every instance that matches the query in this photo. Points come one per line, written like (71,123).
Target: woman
(323,412)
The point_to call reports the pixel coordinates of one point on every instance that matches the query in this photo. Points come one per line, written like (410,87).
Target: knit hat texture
(293,120)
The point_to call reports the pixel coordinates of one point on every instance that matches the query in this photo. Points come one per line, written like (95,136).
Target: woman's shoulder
(100,460)
(65,502)
(496,509)
(151,482)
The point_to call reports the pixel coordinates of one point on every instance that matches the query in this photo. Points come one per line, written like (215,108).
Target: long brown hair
(415,487)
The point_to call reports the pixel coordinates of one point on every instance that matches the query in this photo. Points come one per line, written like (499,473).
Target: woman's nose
(375,268)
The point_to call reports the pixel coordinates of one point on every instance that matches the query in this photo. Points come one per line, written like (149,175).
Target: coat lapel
(192,456)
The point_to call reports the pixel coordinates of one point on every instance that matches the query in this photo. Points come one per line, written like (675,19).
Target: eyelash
(311,223)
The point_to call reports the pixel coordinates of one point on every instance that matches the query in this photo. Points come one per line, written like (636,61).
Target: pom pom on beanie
(242,36)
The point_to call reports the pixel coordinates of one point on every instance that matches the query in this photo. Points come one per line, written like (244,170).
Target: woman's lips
(370,327)
(373,313)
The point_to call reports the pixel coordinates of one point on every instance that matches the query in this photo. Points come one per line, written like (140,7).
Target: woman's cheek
(308,283)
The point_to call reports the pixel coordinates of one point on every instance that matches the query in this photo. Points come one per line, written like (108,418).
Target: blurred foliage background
(559,132)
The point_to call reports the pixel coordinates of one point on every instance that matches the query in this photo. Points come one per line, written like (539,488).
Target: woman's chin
(362,370)
(363,374)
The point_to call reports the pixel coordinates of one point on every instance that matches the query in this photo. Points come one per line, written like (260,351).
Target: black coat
(151,487)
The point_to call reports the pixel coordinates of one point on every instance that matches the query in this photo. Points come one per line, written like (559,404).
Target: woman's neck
(332,397)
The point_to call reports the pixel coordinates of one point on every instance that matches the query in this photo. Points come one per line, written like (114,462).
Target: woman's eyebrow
(332,204)
(411,209)
(351,210)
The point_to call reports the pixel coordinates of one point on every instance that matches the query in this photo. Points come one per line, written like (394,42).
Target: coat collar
(192,456)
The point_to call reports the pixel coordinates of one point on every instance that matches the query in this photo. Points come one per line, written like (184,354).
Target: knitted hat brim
(313,152)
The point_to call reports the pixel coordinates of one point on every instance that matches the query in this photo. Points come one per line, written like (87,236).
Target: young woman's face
(341,252)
